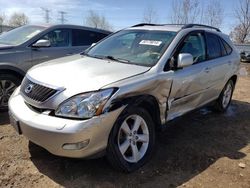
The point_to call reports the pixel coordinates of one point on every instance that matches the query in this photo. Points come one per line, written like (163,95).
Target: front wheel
(8,83)
(131,140)
(225,97)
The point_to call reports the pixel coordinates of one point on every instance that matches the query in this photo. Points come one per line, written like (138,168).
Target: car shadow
(4,118)
(187,147)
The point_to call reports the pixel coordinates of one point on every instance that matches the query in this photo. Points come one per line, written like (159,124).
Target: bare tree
(241,32)
(18,19)
(238,35)
(97,21)
(214,13)
(185,11)
(150,15)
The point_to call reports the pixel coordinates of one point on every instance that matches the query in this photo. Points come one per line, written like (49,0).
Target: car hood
(79,74)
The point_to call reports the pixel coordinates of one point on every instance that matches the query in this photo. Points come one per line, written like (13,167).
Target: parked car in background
(111,99)
(244,50)
(26,46)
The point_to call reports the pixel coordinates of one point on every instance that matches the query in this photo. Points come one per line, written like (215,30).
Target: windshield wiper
(94,56)
(107,57)
(117,59)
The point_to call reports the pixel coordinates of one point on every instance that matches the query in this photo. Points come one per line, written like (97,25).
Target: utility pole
(46,17)
(62,19)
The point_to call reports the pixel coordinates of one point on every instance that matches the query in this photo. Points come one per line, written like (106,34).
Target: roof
(72,27)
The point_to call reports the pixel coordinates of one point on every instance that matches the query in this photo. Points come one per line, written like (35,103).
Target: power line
(47,16)
(62,19)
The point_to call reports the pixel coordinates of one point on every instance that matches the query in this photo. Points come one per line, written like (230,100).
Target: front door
(60,46)
(192,82)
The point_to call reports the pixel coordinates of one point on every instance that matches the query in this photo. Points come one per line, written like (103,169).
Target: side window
(195,45)
(85,38)
(223,49)
(97,36)
(58,37)
(213,46)
(227,47)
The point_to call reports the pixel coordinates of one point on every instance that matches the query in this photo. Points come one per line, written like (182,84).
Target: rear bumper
(52,132)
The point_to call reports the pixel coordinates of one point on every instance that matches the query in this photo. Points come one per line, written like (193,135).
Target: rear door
(60,40)
(190,83)
(218,52)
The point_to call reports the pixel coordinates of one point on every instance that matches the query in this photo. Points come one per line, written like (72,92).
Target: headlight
(84,105)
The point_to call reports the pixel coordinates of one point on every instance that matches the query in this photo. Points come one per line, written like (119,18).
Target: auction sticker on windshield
(151,42)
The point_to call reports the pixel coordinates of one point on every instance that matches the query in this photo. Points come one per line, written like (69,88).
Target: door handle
(207,70)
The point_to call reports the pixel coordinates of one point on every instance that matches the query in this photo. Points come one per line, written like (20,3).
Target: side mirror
(93,44)
(184,60)
(42,43)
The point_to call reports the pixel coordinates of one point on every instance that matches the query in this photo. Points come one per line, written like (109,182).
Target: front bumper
(52,132)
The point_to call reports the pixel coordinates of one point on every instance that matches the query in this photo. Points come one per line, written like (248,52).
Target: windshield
(141,47)
(20,35)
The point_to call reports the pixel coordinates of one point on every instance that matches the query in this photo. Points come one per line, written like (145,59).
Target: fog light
(76,146)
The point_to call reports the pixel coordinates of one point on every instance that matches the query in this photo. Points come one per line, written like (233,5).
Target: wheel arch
(234,79)
(12,70)
(147,102)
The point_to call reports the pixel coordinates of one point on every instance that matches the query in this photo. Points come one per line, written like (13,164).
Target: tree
(150,15)
(18,19)
(97,21)
(240,33)
(239,36)
(185,11)
(2,18)
(214,14)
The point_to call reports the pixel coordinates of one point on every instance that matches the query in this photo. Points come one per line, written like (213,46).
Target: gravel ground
(202,149)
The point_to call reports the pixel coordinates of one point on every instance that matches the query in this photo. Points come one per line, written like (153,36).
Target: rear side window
(85,38)
(213,46)
(227,47)
(223,49)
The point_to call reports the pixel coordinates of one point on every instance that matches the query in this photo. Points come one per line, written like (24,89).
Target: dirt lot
(203,149)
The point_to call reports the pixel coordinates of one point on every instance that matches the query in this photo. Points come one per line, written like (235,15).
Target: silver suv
(112,99)
(30,45)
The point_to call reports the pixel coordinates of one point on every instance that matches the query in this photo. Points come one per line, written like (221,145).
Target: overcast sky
(120,14)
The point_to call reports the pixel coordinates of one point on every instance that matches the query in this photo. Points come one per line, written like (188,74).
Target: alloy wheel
(7,87)
(133,138)
(227,95)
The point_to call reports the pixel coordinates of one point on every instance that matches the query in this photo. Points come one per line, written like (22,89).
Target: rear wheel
(131,140)
(8,83)
(225,97)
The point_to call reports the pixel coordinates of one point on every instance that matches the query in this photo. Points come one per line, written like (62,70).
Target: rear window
(85,38)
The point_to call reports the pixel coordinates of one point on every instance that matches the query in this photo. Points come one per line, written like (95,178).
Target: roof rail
(150,24)
(142,24)
(184,26)
(200,25)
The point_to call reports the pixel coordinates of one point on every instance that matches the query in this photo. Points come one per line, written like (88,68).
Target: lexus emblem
(28,89)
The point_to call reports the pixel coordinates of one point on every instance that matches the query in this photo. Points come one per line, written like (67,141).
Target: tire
(8,83)
(121,136)
(225,97)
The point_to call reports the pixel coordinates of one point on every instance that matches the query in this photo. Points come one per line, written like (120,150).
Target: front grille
(36,92)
